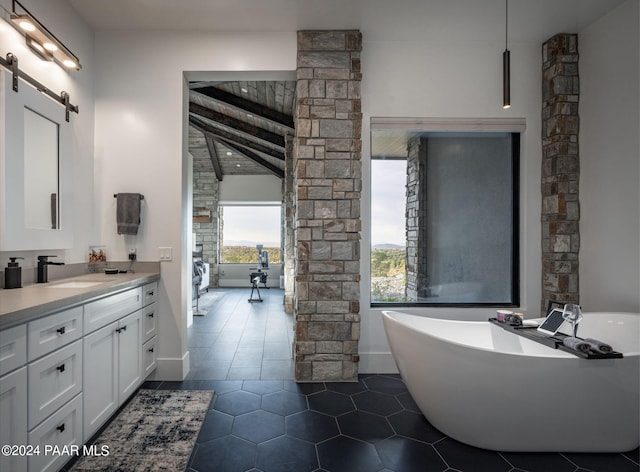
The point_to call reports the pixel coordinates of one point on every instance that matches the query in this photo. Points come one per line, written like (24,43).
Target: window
(242,228)
(444,218)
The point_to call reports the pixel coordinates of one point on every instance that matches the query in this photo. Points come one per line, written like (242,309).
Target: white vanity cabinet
(53,381)
(13,395)
(150,328)
(54,331)
(13,348)
(63,374)
(63,428)
(112,360)
(13,411)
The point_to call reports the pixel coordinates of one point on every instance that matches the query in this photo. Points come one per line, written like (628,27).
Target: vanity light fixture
(40,40)
(506,63)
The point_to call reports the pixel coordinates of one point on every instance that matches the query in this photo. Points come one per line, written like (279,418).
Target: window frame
(221,229)
(514,127)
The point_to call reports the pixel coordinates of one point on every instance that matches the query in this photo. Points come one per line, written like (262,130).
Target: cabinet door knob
(150,315)
(60,368)
(61,427)
(150,294)
(60,330)
(124,328)
(151,350)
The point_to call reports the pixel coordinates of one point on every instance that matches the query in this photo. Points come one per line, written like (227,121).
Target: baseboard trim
(377,363)
(171,368)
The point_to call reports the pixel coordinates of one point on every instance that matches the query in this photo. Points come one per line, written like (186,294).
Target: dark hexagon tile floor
(372,425)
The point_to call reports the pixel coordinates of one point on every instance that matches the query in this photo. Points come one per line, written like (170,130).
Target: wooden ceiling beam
(246,106)
(215,160)
(218,133)
(237,125)
(255,158)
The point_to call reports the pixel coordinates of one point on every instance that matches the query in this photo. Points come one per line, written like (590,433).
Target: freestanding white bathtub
(490,388)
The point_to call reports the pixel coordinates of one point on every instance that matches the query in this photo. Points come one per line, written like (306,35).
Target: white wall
(141,146)
(438,78)
(237,275)
(610,162)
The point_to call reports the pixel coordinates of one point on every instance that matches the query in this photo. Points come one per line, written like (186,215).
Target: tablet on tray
(552,323)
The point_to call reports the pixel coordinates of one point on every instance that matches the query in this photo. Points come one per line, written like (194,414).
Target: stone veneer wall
(560,170)
(288,213)
(416,218)
(327,184)
(205,195)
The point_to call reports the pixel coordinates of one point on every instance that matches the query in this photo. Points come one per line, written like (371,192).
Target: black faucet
(43,262)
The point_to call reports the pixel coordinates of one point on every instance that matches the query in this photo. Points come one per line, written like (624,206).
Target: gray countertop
(32,301)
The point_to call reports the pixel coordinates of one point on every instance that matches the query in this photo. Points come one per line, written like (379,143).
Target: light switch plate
(165,254)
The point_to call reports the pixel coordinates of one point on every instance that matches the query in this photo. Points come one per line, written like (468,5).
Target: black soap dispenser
(13,274)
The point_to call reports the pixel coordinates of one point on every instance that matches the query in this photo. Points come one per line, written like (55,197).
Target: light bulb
(27,25)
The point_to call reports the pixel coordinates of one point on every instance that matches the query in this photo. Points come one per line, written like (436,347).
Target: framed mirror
(36,177)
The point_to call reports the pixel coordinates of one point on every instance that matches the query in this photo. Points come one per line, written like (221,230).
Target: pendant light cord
(506,23)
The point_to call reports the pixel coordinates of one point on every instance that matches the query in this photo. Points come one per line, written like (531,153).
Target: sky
(261,224)
(388,182)
(256,224)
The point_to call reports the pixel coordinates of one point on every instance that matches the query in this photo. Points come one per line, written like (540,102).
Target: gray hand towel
(576,344)
(598,346)
(128,213)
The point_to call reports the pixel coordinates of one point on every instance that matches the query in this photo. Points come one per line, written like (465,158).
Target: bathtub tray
(555,342)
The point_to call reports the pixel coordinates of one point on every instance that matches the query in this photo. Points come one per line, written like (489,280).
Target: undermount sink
(76,284)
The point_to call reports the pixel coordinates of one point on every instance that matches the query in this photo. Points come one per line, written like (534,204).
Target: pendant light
(506,63)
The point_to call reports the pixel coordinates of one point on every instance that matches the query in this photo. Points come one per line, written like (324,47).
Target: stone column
(416,220)
(327,183)
(288,210)
(560,170)
(205,195)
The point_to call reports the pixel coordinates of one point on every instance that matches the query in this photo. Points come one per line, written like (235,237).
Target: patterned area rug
(156,431)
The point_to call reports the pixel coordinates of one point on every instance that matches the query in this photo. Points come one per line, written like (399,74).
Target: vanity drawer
(63,428)
(149,293)
(13,348)
(106,310)
(149,322)
(149,357)
(53,381)
(13,414)
(47,334)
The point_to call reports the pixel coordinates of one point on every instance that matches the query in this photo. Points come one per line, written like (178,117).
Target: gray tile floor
(238,340)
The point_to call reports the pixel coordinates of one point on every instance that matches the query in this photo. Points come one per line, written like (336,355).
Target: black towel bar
(115,195)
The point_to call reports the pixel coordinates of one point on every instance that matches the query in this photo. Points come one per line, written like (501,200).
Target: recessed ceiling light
(244,90)
(237,165)
(229,153)
(249,115)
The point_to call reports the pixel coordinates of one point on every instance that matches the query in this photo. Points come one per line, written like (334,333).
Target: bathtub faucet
(573,315)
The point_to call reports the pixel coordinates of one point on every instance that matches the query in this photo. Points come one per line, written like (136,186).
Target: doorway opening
(238,126)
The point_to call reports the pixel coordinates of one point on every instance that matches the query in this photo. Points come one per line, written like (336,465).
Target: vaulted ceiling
(239,128)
